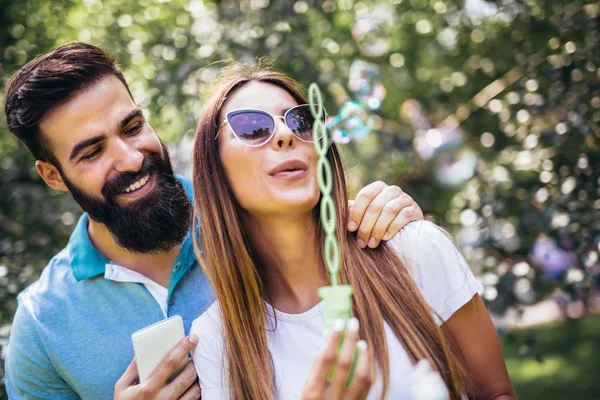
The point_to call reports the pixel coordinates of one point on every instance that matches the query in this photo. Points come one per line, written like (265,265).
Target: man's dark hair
(46,83)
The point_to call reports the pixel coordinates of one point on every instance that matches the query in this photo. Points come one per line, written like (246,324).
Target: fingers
(129,377)
(182,383)
(317,381)
(391,211)
(362,201)
(344,360)
(363,375)
(193,392)
(171,362)
(372,212)
(406,215)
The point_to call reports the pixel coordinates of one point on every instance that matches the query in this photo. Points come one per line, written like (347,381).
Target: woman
(262,250)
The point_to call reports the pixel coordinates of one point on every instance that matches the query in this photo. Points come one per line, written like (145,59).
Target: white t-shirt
(441,273)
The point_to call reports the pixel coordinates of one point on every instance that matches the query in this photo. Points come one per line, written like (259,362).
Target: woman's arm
(471,328)
(450,288)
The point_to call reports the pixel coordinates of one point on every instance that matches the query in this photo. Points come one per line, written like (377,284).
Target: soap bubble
(364,84)
(442,148)
(339,136)
(551,258)
(371,32)
(353,122)
(456,169)
(412,110)
(428,143)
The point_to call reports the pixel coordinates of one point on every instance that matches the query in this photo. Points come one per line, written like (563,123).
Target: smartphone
(152,344)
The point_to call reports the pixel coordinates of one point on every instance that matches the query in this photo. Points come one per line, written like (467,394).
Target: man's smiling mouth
(136,185)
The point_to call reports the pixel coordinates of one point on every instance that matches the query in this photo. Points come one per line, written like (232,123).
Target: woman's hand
(318,387)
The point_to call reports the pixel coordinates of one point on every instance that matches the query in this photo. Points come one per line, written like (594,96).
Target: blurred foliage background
(486,112)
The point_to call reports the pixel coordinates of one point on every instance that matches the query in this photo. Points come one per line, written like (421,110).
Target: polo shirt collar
(87,262)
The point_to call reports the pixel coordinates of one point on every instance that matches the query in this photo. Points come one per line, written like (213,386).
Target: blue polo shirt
(71,335)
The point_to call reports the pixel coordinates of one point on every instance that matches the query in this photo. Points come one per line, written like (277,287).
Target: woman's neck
(291,266)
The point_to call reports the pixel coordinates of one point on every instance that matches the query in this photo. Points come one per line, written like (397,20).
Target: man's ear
(50,175)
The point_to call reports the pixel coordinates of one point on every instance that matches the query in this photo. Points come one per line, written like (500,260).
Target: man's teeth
(138,184)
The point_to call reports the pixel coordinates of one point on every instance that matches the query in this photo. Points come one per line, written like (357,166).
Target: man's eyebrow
(133,114)
(91,141)
(83,144)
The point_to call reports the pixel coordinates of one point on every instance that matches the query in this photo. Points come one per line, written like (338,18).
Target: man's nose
(127,157)
(284,138)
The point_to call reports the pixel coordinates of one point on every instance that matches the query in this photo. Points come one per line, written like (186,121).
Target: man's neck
(156,266)
(292,270)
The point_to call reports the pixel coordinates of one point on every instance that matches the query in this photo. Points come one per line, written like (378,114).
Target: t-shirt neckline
(309,314)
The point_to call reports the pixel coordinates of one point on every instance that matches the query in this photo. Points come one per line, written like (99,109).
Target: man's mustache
(118,184)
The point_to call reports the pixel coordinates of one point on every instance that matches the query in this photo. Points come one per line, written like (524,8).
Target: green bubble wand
(337,299)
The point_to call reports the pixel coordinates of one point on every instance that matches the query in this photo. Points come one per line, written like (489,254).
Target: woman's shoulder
(437,265)
(419,234)
(208,325)
(208,354)
(423,242)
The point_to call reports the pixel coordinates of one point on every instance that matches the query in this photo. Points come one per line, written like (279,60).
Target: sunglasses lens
(300,121)
(253,128)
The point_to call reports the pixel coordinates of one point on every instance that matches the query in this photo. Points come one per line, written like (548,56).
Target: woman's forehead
(260,95)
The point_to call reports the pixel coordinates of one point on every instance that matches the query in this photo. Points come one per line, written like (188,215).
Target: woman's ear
(50,175)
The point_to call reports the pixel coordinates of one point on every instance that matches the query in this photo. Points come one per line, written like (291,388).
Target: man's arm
(379,212)
(29,370)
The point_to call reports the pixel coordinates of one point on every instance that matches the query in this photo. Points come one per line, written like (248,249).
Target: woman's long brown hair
(383,287)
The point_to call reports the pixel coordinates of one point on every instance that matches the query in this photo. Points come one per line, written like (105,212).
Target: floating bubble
(442,148)
(551,258)
(490,293)
(371,32)
(429,142)
(411,109)
(448,37)
(521,268)
(524,291)
(353,122)
(340,136)
(457,170)
(590,259)
(363,82)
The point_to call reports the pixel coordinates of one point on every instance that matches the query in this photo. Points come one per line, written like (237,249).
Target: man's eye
(91,155)
(135,129)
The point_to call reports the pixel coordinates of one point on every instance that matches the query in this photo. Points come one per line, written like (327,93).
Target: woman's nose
(284,138)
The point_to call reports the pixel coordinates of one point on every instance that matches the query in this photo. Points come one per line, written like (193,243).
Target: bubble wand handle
(337,299)
(325,182)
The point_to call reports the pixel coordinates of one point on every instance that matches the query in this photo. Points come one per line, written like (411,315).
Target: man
(129,261)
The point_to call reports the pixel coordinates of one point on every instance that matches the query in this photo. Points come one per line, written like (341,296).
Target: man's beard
(155,223)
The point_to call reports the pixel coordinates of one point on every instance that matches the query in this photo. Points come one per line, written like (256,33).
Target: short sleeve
(29,370)
(208,356)
(438,267)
